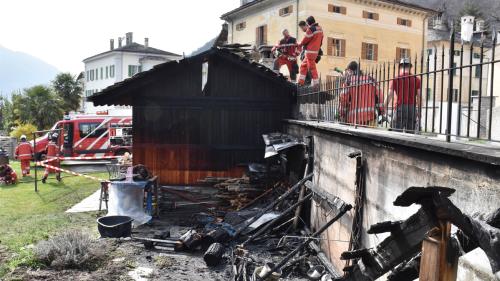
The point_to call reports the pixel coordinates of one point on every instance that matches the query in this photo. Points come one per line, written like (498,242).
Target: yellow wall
(352,27)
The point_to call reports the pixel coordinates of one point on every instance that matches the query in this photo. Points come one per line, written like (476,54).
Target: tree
(25,129)
(69,89)
(7,112)
(37,105)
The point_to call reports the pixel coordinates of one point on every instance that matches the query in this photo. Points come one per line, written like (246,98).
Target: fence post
(490,121)
(450,85)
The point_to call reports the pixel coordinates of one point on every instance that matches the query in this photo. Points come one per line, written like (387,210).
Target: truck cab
(90,136)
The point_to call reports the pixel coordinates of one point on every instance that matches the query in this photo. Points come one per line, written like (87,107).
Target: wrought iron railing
(448,92)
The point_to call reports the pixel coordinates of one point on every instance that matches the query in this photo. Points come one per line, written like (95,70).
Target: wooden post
(434,265)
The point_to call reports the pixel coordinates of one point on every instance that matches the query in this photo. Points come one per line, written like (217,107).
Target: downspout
(297,23)
(232,31)
(424,29)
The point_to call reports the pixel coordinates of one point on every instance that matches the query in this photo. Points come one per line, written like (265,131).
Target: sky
(64,32)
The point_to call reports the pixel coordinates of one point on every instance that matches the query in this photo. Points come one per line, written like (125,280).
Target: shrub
(71,249)
(25,129)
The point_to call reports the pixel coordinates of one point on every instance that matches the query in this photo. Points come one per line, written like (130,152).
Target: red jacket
(24,151)
(359,104)
(287,46)
(52,149)
(313,39)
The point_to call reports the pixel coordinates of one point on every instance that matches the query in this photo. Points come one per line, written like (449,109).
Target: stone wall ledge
(484,153)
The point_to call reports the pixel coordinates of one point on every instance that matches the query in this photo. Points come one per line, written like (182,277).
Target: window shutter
(343,10)
(342,47)
(257,37)
(329,46)
(375,16)
(409,23)
(365,14)
(281,12)
(290,9)
(264,41)
(399,21)
(363,51)
(375,52)
(398,53)
(330,8)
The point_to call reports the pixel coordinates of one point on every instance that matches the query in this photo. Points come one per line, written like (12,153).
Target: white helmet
(23,137)
(54,136)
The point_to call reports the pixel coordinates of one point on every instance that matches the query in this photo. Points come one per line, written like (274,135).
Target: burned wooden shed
(203,115)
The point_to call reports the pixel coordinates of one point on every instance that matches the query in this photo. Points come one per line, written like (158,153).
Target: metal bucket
(114,226)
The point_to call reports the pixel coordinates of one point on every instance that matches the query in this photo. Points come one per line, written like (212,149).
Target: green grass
(27,216)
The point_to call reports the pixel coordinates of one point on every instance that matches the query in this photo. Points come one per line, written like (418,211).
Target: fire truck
(90,136)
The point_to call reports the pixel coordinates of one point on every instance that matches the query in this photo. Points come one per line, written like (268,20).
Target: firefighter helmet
(54,136)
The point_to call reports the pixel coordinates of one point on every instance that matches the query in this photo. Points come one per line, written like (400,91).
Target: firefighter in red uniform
(286,54)
(52,155)
(361,101)
(312,42)
(24,153)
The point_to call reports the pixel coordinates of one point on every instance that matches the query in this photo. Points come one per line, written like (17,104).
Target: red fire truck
(90,136)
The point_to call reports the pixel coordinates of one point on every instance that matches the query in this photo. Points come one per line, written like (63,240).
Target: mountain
(19,70)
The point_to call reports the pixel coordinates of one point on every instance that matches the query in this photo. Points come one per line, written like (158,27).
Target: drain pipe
(297,23)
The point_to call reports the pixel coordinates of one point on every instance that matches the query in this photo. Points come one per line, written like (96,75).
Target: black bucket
(115,226)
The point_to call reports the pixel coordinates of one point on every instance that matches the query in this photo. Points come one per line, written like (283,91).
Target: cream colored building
(371,30)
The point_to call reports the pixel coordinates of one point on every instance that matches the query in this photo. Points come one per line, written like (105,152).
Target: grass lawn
(27,216)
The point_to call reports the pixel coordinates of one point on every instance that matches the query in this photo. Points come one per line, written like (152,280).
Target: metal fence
(449,91)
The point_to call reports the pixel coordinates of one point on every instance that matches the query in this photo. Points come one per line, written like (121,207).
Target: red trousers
(289,64)
(309,63)
(55,163)
(25,166)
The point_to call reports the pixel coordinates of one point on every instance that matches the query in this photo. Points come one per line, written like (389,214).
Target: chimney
(120,42)
(111,44)
(480,25)
(146,42)
(128,38)
(437,24)
(467,28)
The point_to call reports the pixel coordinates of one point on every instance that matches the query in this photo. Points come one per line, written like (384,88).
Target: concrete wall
(391,168)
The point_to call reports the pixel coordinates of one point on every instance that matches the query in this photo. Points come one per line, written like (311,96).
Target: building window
(405,22)
(336,47)
(370,15)
(429,52)
(456,53)
(429,93)
(133,70)
(286,11)
(477,55)
(474,93)
(453,69)
(240,26)
(369,51)
(107,72)
(261,36)
(102,74)
(402,53)
(477,71)
(337,9)
(112,71)
(88,75)
(455,95)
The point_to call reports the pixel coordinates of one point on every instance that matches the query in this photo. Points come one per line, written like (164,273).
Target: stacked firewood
(238,192)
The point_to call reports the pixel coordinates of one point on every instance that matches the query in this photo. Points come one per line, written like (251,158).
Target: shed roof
(116,94)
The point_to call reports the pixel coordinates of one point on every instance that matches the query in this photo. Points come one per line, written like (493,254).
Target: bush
(25,129)
(71,249)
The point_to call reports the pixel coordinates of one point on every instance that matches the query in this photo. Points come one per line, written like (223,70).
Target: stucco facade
(350,24)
